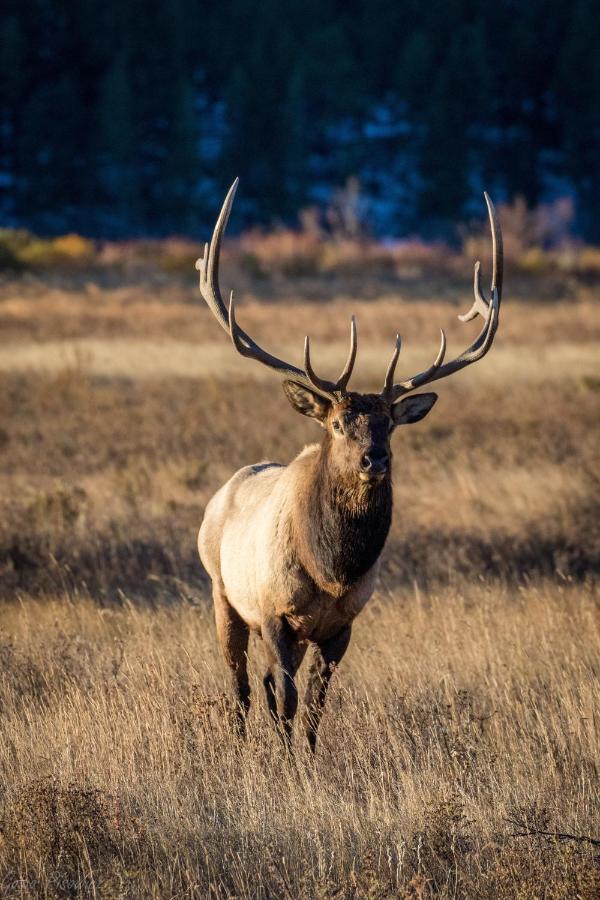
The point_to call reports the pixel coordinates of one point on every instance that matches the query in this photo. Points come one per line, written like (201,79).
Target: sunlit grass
(454,714)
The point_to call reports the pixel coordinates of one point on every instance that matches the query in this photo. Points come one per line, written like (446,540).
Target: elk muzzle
(374,464)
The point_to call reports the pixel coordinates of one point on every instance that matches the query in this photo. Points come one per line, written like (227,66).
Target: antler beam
(488,310)
(208,266)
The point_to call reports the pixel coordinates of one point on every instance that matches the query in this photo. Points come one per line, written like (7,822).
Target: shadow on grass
(158,568)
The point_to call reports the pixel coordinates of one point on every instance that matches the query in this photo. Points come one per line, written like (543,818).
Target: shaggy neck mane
(341,524)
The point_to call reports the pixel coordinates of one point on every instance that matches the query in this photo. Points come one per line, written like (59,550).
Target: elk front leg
(326,656)
(284,655)
(233,634)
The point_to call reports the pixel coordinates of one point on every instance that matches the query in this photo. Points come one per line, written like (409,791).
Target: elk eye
(336,425)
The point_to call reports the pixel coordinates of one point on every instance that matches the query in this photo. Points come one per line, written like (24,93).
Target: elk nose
(375,461)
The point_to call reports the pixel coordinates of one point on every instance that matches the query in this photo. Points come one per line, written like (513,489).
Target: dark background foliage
(129,118)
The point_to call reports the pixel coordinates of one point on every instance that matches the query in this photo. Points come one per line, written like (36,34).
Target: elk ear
(412,409)
(307,402)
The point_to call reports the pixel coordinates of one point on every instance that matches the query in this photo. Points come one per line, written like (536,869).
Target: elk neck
(340,523)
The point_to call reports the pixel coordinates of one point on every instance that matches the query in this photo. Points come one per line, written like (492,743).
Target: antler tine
(497,248)
(428,375)
(344,378)
(328,387)
(247,347)
(490,312)
(480,304)
(333,388)
(388,385)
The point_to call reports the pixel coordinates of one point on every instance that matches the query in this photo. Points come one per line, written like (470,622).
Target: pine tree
(116,145)
(578,99)
(101,114)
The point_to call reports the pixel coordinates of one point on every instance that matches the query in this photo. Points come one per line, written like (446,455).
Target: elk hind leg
(233,634)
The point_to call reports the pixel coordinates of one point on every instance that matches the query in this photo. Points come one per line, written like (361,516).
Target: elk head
(358,426)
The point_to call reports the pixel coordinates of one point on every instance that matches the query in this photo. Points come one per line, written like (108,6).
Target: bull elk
(293,550)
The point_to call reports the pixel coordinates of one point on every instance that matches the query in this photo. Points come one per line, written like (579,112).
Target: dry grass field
(460,748)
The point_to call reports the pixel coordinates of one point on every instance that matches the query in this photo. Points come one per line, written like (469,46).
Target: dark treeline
(124,117)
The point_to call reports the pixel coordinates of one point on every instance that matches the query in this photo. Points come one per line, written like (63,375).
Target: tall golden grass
(460,745)
(461,738)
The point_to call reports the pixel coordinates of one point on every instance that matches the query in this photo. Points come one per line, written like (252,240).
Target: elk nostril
(366,462)
(379,459)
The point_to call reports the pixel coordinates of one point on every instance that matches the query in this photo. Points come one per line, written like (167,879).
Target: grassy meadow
(460,749)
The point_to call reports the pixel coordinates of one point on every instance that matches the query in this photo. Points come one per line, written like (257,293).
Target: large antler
(489,311)
(208,265)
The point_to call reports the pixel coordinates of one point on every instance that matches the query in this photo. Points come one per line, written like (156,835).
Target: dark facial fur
(358,425)
(347,519)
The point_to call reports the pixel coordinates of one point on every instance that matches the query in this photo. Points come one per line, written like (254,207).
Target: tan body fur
(272,539)
(247,545)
